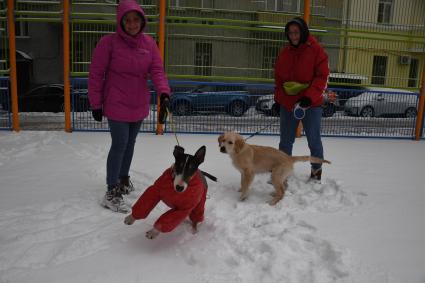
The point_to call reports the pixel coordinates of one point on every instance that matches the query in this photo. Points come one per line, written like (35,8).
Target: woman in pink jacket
(120,68)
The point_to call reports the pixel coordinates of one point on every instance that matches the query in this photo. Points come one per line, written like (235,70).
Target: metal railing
(5,116)
(211,107)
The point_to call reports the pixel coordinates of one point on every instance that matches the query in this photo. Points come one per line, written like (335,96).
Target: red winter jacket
(190,203)
(307,63)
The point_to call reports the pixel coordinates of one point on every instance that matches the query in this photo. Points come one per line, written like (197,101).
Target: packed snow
(361,224)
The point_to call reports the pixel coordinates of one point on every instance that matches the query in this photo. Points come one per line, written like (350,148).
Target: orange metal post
(421,103)
(12,60)
(66,57)
(307,20)
(307,11)
(161,42)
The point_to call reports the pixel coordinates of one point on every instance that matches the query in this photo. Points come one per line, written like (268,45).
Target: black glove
(164,107)
(97,114)
(304,102)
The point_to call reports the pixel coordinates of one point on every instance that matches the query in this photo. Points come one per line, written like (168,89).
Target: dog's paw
(243,197)
(129,220)
(275,200)
(194,228)
(152,234)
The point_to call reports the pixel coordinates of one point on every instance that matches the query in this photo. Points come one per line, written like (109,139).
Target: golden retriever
(251,159)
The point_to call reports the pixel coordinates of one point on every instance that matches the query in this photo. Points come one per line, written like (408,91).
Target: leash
(173,129)
(172,126)
(260,130)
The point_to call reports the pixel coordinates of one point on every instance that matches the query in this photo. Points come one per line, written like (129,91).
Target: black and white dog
(182,187)
(185,166)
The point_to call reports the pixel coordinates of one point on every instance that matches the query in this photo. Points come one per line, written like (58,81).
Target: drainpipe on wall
(347,20)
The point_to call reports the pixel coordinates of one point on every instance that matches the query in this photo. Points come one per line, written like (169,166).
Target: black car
(50,98)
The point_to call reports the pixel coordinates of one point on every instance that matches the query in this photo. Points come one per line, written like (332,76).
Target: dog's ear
(221,138)
(178,150)
(200,154)
(239,143)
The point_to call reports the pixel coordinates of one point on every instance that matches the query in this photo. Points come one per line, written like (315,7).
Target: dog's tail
(307,158)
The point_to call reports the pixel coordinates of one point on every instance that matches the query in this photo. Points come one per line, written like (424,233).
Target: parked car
(376,102)
(345,85)
(4,98)
(50,98)
(234,100)
(268,106)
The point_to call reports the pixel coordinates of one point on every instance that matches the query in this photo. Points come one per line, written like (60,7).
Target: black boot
(316,175)
(127,186)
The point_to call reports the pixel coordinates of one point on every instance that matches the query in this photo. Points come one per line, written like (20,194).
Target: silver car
(377,102)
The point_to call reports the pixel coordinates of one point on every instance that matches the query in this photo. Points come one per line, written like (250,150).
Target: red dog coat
(190,202)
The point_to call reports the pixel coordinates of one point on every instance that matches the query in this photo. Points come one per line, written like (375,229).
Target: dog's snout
(223,149)
(179,188)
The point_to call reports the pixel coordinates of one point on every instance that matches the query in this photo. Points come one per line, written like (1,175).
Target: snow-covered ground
(362,224)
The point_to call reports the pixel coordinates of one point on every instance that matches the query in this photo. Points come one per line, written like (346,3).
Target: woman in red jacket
(301,75)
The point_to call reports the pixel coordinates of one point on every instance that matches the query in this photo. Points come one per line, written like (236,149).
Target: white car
(376,102)
(265,104)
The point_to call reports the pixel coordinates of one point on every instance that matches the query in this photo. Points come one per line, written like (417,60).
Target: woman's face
(294,34)
(132,23)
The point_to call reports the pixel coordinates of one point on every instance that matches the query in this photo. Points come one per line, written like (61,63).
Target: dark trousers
(123,136)
(311,124)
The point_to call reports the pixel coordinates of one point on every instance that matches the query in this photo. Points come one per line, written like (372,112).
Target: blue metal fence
(82,119)
(211,107)
(5,116)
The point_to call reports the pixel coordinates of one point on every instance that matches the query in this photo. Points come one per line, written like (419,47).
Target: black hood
(303,28)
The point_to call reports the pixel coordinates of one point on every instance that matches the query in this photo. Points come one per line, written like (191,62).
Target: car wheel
(367,111)
(237,108)
(410,112)
(181,108)
(275,112)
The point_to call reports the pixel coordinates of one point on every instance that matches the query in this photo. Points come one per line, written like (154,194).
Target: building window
(203,58)
(176,3)
(269,56)
(379,70)
(21,29)
(279,5)
(413,73)
(385,11)
(207,4)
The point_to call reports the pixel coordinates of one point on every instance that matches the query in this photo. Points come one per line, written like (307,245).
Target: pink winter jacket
(120,68)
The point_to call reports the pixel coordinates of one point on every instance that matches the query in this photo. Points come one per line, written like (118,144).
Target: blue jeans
(311,124)
(123,136)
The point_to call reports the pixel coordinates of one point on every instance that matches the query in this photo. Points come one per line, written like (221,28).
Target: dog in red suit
(182,187)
